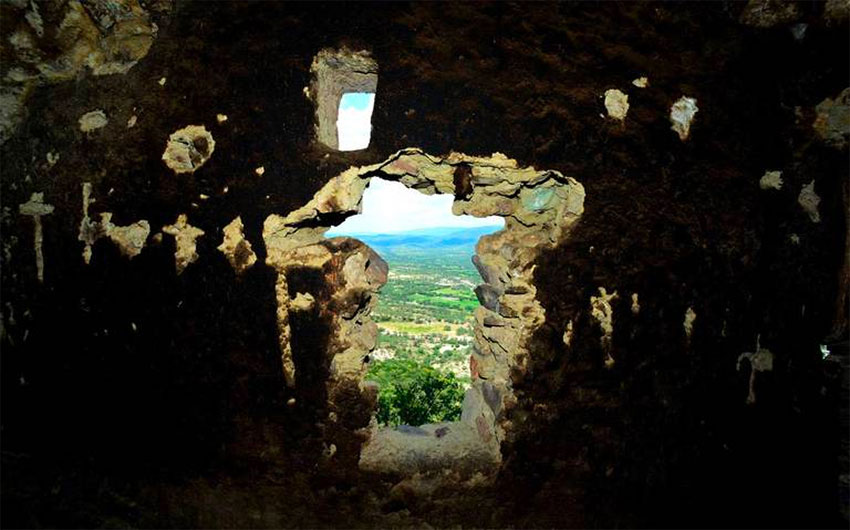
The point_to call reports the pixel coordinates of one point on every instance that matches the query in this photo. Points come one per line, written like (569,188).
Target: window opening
(425,311)
(343,87)
(354,120)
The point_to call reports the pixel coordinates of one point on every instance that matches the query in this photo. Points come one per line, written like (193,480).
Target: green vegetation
(413,394)
(424,317)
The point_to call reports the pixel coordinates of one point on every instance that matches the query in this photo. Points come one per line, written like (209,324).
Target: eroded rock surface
(771,180)
(188,149)
(809,201)
(55,41)
(617,102)
(130,239)
(95,119)
(185,236)
(833,120)
(602,311)
(688,323)
(682,114)
(760,361)
(236,248)
(37,208)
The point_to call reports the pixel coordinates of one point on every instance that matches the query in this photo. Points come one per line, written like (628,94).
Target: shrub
(412,393)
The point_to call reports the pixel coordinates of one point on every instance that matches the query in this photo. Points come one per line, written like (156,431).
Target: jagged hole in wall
(354,120)
(425,310)
(539,208)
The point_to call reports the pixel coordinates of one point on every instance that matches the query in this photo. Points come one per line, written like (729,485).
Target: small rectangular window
(343,89)
(354,120)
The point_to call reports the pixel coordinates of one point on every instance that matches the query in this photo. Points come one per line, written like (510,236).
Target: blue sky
(356,100)
(354,120)
(390,207)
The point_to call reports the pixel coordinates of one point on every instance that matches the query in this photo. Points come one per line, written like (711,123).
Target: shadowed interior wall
(132,395)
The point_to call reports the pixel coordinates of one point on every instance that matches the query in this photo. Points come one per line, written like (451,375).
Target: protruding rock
(688,323)
(616,103)
(93,120)
(492,396)
(568,334)
(603,313)
(833,120)
(236,248)
(365,270)
(771,180)
(809,201)
(89,230)
(488,297)
(760,361)
(641,82)
(303,302)
(130,239)
(188,149)
(35,208)
(184,237)
(682,114)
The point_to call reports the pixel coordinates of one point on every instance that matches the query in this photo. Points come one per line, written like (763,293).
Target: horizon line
(457,228)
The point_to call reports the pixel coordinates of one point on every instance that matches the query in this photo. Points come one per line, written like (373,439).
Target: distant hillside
(463,239)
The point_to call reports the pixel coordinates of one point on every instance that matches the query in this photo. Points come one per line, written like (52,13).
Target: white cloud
(390,207)
(354,121)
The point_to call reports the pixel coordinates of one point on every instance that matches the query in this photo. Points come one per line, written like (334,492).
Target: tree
(412,393)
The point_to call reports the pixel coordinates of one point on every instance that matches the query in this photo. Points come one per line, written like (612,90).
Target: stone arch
(539,207)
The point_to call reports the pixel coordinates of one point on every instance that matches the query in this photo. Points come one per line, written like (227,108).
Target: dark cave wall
(133,395)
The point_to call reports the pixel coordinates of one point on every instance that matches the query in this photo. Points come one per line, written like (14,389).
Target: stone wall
(164,365)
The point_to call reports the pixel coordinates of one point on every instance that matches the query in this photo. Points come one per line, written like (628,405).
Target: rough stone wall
(134,395)
(540,208)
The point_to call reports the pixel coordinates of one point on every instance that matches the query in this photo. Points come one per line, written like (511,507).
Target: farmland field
(424,312)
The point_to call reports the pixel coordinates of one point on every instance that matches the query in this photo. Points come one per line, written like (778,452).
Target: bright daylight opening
(354,121)
(424,315)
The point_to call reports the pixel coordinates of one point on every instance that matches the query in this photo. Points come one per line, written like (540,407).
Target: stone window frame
(540,208)
(334,73)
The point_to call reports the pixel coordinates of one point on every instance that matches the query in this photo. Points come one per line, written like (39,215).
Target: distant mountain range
(426,238)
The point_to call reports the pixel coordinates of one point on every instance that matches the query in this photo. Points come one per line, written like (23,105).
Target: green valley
(424,317)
